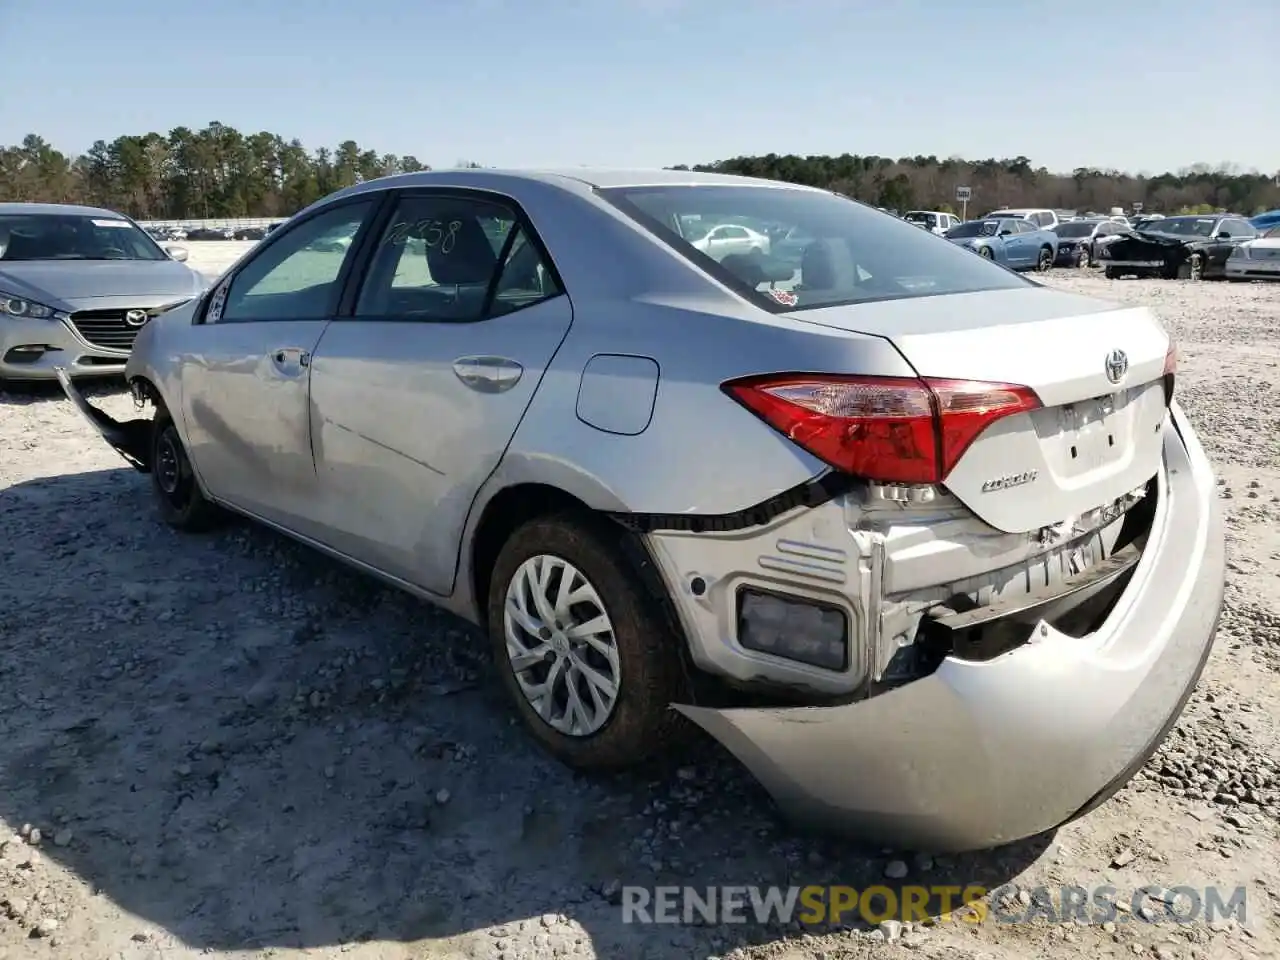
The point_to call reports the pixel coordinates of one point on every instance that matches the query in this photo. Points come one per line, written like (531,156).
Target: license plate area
(1088,436)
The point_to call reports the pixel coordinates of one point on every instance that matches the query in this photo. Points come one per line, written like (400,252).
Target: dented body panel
(984,753)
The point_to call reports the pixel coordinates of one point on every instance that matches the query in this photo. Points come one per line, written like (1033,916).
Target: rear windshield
(1182,226)
(974,228)
(807,248)
(1074,229)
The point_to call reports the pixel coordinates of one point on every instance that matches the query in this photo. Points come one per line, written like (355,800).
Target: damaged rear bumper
(978,754)
(130,438)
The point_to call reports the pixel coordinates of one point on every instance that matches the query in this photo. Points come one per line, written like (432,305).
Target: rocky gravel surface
(225,745)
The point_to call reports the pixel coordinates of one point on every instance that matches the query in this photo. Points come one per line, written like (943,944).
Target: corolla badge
(1117,365)
(135,318)
(1010,480)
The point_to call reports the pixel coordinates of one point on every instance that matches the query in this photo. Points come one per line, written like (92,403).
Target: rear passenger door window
(454,260)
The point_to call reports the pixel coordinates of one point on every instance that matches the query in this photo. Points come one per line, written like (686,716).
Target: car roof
(576,177)
(57,209)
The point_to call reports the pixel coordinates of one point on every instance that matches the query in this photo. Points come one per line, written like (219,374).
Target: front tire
(1044,263)
(1195,267)
(1111,273)
(181,503)
(986,253)
(585,652)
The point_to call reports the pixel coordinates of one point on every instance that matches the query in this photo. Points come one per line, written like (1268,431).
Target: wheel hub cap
(561,646)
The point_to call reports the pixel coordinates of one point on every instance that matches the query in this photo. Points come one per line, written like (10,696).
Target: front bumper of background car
(981,753)
(95,339)
(1240,268)
(31,349)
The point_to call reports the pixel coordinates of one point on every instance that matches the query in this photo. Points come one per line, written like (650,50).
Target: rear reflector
(889,429)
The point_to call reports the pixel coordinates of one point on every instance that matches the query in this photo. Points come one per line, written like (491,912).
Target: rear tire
(1111,273)
(178,496)
(633,646)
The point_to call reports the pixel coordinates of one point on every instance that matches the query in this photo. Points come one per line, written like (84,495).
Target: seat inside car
(828,265)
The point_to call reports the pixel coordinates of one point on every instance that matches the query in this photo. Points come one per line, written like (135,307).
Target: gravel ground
(227,745)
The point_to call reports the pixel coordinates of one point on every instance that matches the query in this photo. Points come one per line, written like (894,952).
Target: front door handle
(488,374)
(287,356)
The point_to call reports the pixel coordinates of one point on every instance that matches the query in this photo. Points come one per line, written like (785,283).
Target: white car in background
(934,221)
(1256,259)
(728,239)
(1044,219)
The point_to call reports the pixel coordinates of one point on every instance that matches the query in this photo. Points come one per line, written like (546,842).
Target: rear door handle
(488,374)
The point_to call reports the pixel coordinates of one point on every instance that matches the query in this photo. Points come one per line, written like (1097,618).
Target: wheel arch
(502,514)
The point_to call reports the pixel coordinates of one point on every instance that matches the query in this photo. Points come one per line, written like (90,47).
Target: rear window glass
(1074,229)
(807,248)
(974,228)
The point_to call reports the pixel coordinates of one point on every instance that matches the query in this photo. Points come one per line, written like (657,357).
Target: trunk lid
(1094,440)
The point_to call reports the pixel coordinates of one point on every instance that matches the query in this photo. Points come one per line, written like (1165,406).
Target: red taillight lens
(889,429)
(1170,371)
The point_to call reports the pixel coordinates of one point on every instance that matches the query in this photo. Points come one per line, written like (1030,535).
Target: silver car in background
(930,547)
(76,286)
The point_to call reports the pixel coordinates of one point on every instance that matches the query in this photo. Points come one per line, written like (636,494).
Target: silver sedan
(76,286)
(953,586)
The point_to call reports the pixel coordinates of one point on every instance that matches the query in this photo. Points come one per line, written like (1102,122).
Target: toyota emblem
(1117,365)
(135,318)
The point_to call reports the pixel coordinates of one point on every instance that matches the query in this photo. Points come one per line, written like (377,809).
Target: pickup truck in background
(1017,244)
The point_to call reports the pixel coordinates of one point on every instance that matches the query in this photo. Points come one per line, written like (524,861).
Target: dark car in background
(1192,248)
(1077,239)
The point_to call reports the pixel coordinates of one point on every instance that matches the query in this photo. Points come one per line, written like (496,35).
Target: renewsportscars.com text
(817,905)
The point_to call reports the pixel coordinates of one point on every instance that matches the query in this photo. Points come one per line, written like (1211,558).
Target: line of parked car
(1220,245)
(179,234)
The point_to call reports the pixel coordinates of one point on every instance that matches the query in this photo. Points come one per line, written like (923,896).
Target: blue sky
(1142,85)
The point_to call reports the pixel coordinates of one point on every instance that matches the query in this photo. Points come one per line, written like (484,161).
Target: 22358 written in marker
(435,234)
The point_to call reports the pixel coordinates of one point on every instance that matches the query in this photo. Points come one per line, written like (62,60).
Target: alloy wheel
(561,646)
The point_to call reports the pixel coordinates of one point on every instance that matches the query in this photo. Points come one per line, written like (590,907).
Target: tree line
(219,172)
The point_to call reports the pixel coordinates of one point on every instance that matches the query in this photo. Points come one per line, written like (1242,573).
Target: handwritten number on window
(435,234)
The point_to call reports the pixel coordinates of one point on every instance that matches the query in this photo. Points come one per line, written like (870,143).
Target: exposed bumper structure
(130,438)
(979,754)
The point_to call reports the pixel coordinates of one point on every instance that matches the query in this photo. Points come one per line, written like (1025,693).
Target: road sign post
(963,195)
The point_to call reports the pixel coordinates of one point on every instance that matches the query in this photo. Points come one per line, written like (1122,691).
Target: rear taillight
(888,429)
(1170,371)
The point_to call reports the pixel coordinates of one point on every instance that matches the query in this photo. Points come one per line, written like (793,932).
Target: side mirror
(1006,232)
(177,253)
(1224,235)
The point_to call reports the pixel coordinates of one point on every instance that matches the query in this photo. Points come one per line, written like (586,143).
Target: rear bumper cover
(981,754)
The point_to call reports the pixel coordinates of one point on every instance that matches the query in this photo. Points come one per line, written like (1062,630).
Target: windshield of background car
(49,236)
(840,252)
(974,228)
(1182,226)
(1075,229)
